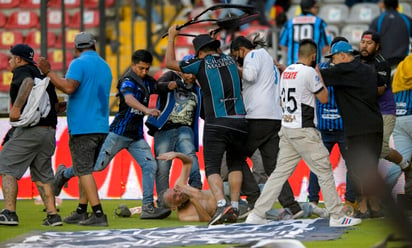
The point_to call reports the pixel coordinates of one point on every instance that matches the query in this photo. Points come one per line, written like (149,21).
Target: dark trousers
(263,135)
(362,159)
(330,138)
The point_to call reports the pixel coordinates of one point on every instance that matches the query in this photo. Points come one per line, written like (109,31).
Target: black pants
(263,135)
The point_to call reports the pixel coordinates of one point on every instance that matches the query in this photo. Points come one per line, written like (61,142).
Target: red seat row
(8,4)
(29,19)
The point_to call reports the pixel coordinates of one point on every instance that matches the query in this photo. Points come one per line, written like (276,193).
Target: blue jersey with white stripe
(303,27)
(403,101)
(219,80)
(328,113)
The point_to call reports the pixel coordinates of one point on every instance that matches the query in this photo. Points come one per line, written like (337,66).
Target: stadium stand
(22,20)
(9,38)
(333,31)
(3,19)
(29,4)
(33,39)
(9,4)
(405,8)
(67,3)
(5,79)
(55,58)
(70,34)
(95,3)
(363,13)
(54,18)
(353,32)
(293,11)
(335,14)
(90,18)
(4,61)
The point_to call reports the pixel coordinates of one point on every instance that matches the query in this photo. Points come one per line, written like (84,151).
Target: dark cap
(306,5)
(372,35)
(84,40)
(23,51)
(341,47)
(337,39)
(391,4)
(204,40)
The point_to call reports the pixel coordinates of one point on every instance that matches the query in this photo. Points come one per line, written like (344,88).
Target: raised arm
(171,61)
(68,86)
(187,165)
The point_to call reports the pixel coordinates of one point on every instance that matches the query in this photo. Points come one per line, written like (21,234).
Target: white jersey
(260,82)
(299,84)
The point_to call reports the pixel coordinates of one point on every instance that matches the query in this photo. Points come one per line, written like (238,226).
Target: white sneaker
(321,212)
(344,221)
(253,218)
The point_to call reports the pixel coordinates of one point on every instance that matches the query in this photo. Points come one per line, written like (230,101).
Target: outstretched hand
(167,156)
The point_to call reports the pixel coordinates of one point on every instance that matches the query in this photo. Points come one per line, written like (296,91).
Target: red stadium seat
(22,20)
(4,62)
(33,39)
(56,59)
(3,19)
(54,19)
(90,18)
(70,34)
(8,4)
(67,3)
(95,3)
(5,81)
(29,4)
(10,38)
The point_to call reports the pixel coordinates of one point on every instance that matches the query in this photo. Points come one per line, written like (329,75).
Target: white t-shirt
(299,84)
(260,83)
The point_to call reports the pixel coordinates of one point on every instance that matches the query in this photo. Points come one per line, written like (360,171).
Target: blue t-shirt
(303,27)
(88,106)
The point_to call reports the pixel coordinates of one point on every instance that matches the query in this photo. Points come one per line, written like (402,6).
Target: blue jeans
(179,139)
(140,151)
(402,139)
(329,139)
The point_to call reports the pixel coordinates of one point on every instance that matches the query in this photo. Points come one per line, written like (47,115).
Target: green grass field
(369,233)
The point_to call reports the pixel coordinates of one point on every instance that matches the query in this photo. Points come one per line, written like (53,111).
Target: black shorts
(220,138)
(84,150)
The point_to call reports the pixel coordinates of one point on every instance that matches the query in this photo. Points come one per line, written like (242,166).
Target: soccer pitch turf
(368,234)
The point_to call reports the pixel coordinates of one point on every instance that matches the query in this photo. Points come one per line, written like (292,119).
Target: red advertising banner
(122,179)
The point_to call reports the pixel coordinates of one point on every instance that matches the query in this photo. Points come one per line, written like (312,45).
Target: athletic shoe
(60,180)
(75,218)
(321,212)
(53,220)
(244,212)
(344,221)
(231,216)
(222,214)
(93,220)
(8,218)
(253,218)
(361,215)
(150,212)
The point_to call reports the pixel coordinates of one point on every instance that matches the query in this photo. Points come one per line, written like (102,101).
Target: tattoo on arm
(24,92)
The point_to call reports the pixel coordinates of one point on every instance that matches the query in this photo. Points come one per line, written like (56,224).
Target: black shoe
(60,180)
(150,212)
(75,218)
(361,215)
(8,218)
(223,214)
(53,220)
(93,220)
